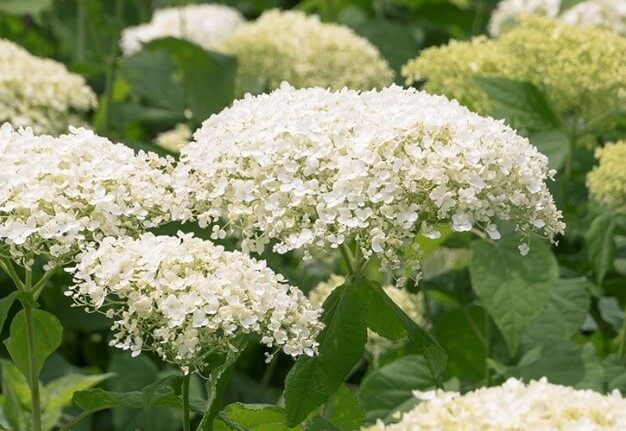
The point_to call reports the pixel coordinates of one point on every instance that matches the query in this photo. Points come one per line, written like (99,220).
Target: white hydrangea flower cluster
(59,192)
(203,24)
(314,169)
(609,14)
(185,298)
(376,346)
(38,92)
(175,138)
(306,52)
(514,406)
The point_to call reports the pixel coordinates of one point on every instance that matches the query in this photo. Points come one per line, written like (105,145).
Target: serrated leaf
(47,338)
(601,245)
(512,288)
(345,412)
(313,379)
(390,388)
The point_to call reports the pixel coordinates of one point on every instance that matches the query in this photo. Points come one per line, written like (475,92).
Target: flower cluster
(607,181)
(204,25)
(376,345)
(580,70)
(185,298)
(59,192)
(507,12)
(172,140)
(514,406)
(609,14)
(294,47)
(40,93)
(313,169)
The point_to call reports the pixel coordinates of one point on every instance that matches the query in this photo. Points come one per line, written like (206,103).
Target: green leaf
(601,245)
(521,103)
(345,412)
(255,417)
(16,394)
(59,392)
(47,338)
(313,379)
(390,388)
(24,7)
(512,288)
(176,75)
(216,388)
(318,423)
(5,306)
(554,144)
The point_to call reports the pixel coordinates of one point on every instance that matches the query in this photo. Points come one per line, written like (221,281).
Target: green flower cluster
(607,181)
(581,70)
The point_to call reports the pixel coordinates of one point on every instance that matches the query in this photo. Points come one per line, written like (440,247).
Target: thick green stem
(487,350)
(347,257)
(33,375)
(186,412)
(622,335)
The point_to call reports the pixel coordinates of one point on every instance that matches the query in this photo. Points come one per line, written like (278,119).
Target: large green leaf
(390,388)
(176,75)
(345,412)
(313,380)
(58,393)
(512,288)
(47,338)
(601,244)
(255,417)
(16,394)
(521,103)
(554,144)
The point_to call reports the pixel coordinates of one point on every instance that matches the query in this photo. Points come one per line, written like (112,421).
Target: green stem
(80,31)
(7,267)
(622,335)
(347,257)
(38,287)
(186,415)
(110,72)
(33,375)
(487,350)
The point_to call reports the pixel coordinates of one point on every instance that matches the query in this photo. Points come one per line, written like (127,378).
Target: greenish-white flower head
(507,12)
(376,346)
(313,169)
(202,24)
(579,69)
(607,181)
(175,138)
(514,406)
(300,49)
(40,93)
(58,193)
(185,298)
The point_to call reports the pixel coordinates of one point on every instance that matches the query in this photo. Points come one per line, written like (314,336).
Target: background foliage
(557,312)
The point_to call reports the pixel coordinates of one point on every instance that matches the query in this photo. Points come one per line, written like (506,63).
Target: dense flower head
(59,192)
(203,24)
(175,138)
(607,181)
(609,14)
(514,406)
(185,298)
(580,70)
(300,49)
(410,303)
(313,169)
(38,92)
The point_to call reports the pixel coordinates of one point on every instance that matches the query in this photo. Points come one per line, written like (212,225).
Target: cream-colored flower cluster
(410,303)
(580,70)
(59,192)
(40,93)
(607,181)
(185,298)
(314,169)
(609,14)
(514,406)
(298,48)
(172,140)
(204,25)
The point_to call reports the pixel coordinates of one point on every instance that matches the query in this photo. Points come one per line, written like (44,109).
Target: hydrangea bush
(40,93)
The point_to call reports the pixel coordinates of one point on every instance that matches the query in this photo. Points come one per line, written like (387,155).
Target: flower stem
(347,257)
(622,335)
(33,377)
(186,415)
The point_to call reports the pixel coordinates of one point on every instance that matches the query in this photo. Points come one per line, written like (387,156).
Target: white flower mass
(313,169)
(507,11)
(185,298)
(203,24)
(60,192)
(514,406)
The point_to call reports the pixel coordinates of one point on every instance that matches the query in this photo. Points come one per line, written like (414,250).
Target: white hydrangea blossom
(184,298)
(59,192)
(507,11)
(514,406)
(38,92)
(175,138)
(609,14)
(376,346)
(203,24)
(313,169)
